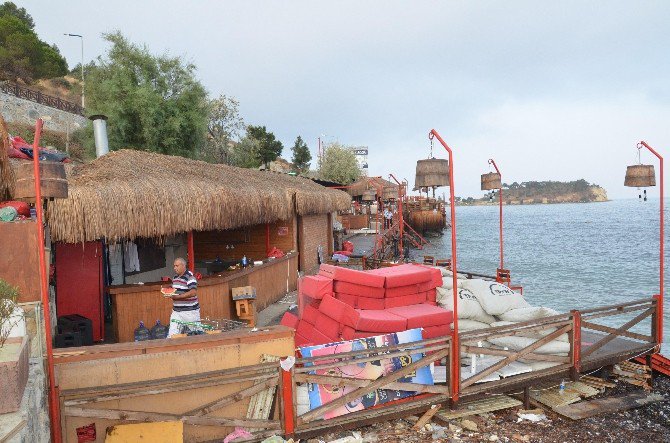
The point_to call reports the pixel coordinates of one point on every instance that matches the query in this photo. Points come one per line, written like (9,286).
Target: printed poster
(320,394)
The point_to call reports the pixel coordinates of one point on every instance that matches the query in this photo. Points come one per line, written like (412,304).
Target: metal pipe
(100,134)
(190,251)
(659,329)
(54,405)
(455,377)
(492,162)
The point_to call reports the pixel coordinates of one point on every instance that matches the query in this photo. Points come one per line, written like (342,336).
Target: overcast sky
(551,90)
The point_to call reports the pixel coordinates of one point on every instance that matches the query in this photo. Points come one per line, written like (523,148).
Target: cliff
(534,192)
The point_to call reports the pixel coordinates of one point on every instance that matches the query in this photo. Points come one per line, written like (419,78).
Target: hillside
(534,192)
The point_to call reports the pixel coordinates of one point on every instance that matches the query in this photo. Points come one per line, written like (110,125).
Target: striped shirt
(184,283)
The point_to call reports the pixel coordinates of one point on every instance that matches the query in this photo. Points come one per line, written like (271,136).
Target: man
(185,306)
(388,218)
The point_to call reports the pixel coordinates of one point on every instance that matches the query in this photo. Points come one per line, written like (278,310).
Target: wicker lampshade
(432,172)
(390,193)
(369,195)
(53,181)
(640,176)
(491,181)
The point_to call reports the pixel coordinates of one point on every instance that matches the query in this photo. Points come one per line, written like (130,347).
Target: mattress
(423,315)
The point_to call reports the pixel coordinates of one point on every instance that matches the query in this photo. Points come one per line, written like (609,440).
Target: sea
(567,256)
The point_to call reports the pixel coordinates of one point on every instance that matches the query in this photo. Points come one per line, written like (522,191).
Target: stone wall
(19,110)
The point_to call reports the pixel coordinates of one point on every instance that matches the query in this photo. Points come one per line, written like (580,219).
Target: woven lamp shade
(491,181)
(432,172)
(390,193)
(640,176)
(369,196)
(52,178)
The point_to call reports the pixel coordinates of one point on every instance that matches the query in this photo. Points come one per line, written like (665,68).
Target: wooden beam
(344,381)
(503,353)
(511,330)
(373,385)
(527,350)
(617,306)
(601,328)
(117,414)
(585,409)
(232,398)
(602,342)
(425,418)
(614,313)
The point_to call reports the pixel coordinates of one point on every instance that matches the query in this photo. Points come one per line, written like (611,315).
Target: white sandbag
(534,334)
(468,306)
(540,365)
(515,343)
(465,324)
(494,297)
(527,313)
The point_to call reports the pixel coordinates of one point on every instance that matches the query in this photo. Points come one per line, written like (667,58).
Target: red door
(79,283)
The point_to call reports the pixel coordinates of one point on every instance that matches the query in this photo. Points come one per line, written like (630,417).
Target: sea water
(567,256)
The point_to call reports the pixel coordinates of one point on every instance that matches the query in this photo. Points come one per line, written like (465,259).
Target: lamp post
(455,347)
(492,181)
(83,101)
(643,176)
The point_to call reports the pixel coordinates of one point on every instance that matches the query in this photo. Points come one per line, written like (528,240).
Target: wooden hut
(155,203)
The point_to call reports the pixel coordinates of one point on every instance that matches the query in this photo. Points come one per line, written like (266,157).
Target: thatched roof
(128,194)
(6,171)
(361,185)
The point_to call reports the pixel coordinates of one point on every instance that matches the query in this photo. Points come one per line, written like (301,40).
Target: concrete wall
(19,110)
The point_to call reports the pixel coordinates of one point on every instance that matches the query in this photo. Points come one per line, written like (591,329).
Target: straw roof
(361,185)
(128,194)
(6,171)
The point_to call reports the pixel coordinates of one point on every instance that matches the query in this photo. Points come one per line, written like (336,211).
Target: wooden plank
(641,301)
(426,417)
(373,385)
(602,342)
(596,382)
(116,414)
(344,381)
(232,398)
(261,403)
(615,313)
(602,328)
(592,408)
(503,353)
(487,404)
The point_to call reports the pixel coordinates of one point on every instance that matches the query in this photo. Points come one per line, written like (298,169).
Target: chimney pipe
(100,134)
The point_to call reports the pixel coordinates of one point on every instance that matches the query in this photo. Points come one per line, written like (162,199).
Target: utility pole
(83,100)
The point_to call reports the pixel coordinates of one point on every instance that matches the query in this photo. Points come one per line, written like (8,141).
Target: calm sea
(566,256)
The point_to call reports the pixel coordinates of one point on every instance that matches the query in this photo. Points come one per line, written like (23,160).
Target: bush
(8,298)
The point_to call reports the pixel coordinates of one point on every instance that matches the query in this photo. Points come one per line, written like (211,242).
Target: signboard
(320,394)
(361,151)
(282,230)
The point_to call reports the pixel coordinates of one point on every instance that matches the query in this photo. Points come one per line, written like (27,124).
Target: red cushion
(360,302)
(302,341)
(378,320)
(437,276)
(403,275)
(436,331)
(423,315)
(405,300)
(316,286)
(312,334)
(339,311)
(356,289)
(329,327)
(409,289)
(362,278)
(310,314)
(431,295)
(305,300)
(289,320)
(352,334)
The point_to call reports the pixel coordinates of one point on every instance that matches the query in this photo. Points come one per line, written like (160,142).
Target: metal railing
(41,98)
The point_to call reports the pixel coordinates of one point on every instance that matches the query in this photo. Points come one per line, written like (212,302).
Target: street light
(83,102)
(491,182)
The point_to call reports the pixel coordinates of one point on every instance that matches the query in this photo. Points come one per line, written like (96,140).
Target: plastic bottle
(159,330)
(561,387)
(142,333)
(245,262)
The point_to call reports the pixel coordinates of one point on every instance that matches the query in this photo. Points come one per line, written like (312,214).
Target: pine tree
(301,156)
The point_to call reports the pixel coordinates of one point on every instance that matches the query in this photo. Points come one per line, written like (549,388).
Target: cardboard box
(244,293)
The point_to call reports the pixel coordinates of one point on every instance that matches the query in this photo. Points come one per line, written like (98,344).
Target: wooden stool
(245,307)
(428,260)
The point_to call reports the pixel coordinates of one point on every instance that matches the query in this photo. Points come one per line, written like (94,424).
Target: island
(539,192)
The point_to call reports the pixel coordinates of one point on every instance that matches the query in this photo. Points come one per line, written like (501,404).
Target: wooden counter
(134,303)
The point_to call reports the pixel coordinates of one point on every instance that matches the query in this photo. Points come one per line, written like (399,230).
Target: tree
(269,148)
(225,125)
(245,153)
(153,103)
(301,156)
(22,54)
(339,165)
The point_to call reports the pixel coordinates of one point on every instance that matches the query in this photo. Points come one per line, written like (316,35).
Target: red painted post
(455,378)
(287,400)
(659,316)
(577,340)
(492,162)
(54,403)
(190,251)
(401,220)
(267,239)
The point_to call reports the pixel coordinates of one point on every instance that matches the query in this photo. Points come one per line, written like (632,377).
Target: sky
(550,90)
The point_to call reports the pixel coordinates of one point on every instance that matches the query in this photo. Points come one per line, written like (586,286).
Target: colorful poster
(320,394)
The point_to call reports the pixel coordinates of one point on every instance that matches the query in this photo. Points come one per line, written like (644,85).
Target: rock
(454,428)
(469,425)
(493,438)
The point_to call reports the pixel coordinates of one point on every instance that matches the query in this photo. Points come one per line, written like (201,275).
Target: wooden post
(526,397)
(576,343)
(190,252)
(287,401)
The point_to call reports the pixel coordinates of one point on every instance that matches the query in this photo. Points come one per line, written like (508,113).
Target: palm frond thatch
(128,194)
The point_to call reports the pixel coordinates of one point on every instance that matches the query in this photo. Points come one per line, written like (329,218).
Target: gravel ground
(647,424)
